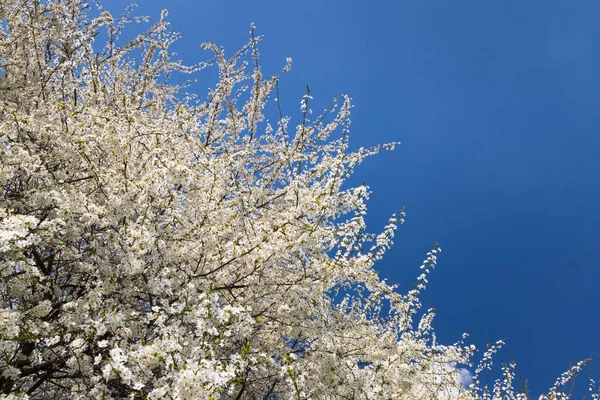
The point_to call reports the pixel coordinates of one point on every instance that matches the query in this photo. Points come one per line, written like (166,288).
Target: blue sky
(497,106)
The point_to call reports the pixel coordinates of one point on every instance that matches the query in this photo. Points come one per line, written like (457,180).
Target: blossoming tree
(158,245)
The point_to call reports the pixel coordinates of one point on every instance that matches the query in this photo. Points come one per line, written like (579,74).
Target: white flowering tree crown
(159,245)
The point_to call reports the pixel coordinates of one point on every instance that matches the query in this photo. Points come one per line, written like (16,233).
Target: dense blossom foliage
(158,245)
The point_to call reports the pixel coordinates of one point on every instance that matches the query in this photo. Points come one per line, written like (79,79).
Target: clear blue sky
(497,106)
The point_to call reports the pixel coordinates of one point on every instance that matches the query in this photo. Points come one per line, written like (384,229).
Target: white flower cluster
(157,245)
(16,231)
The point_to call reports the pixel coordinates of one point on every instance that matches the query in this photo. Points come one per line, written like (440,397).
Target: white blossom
(163,245)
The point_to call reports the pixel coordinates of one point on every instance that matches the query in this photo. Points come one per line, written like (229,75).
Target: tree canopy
(156,244)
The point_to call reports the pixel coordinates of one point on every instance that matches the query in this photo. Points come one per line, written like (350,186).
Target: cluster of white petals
(159,245)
